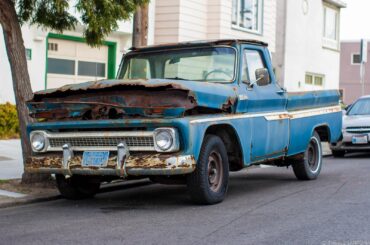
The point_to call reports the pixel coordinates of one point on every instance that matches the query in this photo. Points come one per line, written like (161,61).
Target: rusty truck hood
(114,99)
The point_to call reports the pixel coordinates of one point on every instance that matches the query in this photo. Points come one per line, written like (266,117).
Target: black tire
(208,183)
(77,186)
(308,166)
(338,153)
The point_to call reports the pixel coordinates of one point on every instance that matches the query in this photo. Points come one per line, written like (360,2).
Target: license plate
(95,158)
(358,140)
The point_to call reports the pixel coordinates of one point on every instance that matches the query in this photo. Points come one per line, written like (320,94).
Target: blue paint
(260,139)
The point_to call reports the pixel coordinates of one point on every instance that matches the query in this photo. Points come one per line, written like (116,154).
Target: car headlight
(166,140)
(38,141)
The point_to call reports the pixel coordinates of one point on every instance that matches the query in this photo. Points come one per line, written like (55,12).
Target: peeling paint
(118,99)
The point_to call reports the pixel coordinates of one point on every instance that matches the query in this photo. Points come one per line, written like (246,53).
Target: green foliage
(99,17)
(9,126)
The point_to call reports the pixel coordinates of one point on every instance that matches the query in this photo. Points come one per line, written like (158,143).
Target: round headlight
(38,141)
(163,140)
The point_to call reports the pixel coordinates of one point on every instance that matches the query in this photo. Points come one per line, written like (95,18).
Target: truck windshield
(213,64)
(361,107)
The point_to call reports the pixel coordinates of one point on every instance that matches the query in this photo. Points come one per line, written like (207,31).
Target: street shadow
(358,155)
(145,195)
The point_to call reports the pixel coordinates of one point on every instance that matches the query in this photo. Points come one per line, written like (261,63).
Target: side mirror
(263,77)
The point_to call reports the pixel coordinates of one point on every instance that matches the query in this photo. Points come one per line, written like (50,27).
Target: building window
(28,54)
(356,59)
(309,79)
(92,69)
(331,27)
(52,46)
(319,81)
(61,66)
(314,80)
(247,15)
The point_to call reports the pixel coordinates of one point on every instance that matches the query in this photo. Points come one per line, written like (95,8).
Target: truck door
(266,106)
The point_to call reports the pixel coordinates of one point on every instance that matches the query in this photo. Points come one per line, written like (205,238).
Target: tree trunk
(140,32)
(21,81)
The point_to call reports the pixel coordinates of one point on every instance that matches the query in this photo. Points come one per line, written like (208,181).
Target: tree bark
(140,29)
(21,81)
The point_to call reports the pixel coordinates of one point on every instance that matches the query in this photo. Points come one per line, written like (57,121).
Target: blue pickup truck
(186,113)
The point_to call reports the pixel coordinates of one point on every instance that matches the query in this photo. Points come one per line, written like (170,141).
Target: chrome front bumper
(348,146)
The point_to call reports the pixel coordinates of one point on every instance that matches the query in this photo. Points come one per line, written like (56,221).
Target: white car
(356,129)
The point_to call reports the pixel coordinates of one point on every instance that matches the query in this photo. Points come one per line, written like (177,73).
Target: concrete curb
(29,200)
(44,198)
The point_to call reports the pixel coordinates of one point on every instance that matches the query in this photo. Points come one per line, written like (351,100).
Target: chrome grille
(80,141)
(358,130)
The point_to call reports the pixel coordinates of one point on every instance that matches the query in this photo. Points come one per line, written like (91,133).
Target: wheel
(308,166)
(77,186)
(338,153)
(208,183)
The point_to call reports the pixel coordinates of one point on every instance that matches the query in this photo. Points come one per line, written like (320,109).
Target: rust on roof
(200,43)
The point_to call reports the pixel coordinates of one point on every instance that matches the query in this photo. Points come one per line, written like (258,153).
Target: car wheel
(77,186)
(308,166)
(208,183)
(337,153)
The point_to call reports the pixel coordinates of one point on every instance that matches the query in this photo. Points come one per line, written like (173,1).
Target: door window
(252,62)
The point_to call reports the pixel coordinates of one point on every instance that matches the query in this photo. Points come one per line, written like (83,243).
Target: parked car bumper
(346,143)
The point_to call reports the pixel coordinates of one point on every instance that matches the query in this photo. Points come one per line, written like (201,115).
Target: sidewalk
(11,162)
(326,149)
(12,192)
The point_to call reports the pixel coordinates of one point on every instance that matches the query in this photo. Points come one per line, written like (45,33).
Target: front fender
(242,128)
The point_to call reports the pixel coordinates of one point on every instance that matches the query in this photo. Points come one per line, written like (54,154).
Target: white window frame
(260,18)
(328,42)
(353,63)
(315,75)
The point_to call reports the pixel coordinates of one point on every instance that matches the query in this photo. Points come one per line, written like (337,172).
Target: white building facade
(303,37)
(58,59)
(308,50)
(187,20)
(55,59)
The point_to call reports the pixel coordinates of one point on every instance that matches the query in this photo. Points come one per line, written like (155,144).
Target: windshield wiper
(176,78)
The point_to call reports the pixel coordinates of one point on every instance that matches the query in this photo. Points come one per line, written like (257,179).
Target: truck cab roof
(199,43)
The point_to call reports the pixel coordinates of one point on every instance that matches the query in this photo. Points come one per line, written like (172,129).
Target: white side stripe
(274,115)
(314,112)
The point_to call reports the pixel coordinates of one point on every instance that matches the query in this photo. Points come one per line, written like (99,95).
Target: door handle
(281,91)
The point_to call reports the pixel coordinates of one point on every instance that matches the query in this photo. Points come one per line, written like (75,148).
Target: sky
(355,20)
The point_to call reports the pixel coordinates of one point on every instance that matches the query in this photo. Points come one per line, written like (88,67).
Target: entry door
(270,134)
(72,62)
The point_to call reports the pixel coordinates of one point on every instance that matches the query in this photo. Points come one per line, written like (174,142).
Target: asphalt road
(263,206)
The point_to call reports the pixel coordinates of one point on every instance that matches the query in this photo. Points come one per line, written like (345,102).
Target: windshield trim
(236,60)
